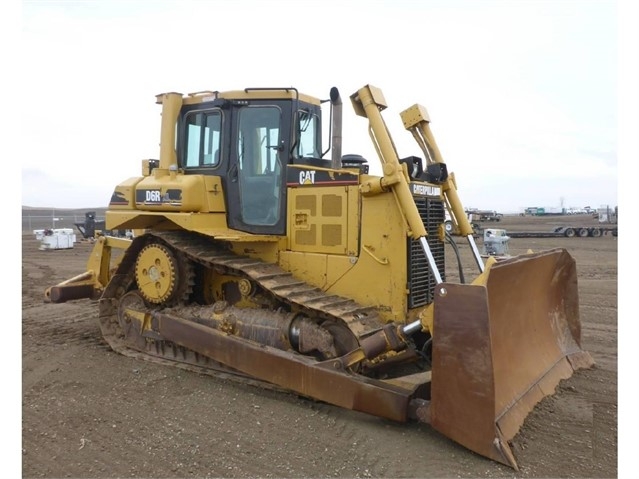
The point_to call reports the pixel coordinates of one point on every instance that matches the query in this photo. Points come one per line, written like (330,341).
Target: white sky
(522,95)
(532,102)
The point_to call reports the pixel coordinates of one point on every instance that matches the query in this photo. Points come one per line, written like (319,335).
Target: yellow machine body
(271,262)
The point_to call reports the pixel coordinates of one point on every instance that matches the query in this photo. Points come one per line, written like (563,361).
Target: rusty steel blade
(500,346)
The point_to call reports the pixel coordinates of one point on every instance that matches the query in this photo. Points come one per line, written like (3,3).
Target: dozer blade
(501,345)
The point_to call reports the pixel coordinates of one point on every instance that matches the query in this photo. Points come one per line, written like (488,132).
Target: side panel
(214,194)
(381,265)
(165,192)
(321,270)
(192,193)
(376,274)
(123,197)
(323,220)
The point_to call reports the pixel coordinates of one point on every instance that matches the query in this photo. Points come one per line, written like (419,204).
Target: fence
(42,219)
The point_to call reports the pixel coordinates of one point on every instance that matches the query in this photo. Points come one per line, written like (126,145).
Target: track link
(286,288)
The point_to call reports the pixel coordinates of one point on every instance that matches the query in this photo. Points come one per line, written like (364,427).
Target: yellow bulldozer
(258,255)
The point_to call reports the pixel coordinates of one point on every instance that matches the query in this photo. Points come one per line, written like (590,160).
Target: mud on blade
(501,345)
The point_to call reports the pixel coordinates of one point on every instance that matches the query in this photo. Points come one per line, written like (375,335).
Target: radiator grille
(421,282)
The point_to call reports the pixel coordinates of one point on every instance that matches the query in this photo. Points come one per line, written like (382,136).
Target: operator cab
(248,138)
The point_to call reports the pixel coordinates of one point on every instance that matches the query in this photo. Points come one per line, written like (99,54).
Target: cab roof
(283,93)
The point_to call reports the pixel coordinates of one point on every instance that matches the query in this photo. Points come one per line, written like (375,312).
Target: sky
(522,95)
(532,103)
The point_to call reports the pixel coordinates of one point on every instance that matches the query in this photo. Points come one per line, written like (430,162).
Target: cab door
(256,190)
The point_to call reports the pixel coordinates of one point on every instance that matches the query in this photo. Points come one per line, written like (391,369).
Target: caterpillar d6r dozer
(256,256)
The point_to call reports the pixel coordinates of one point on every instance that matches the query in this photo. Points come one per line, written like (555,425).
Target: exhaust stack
(336,150)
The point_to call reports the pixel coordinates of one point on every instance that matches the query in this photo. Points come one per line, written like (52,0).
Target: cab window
(309,141)
(203,134)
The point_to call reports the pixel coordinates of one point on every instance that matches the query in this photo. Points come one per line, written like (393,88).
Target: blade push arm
(369,103)
(416,120)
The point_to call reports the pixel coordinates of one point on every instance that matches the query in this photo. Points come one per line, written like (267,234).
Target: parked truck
(484,215)
(545,210)
(567,231)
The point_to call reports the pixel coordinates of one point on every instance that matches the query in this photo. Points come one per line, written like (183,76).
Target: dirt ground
(90,412)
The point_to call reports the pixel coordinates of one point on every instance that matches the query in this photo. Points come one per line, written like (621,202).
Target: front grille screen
(421,282)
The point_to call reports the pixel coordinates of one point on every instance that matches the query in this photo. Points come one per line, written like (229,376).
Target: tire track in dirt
(35,277)
(48,326)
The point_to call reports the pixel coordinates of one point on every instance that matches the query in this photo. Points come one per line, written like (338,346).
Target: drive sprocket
(156,273)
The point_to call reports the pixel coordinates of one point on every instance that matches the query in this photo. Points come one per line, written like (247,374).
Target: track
(289,292)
